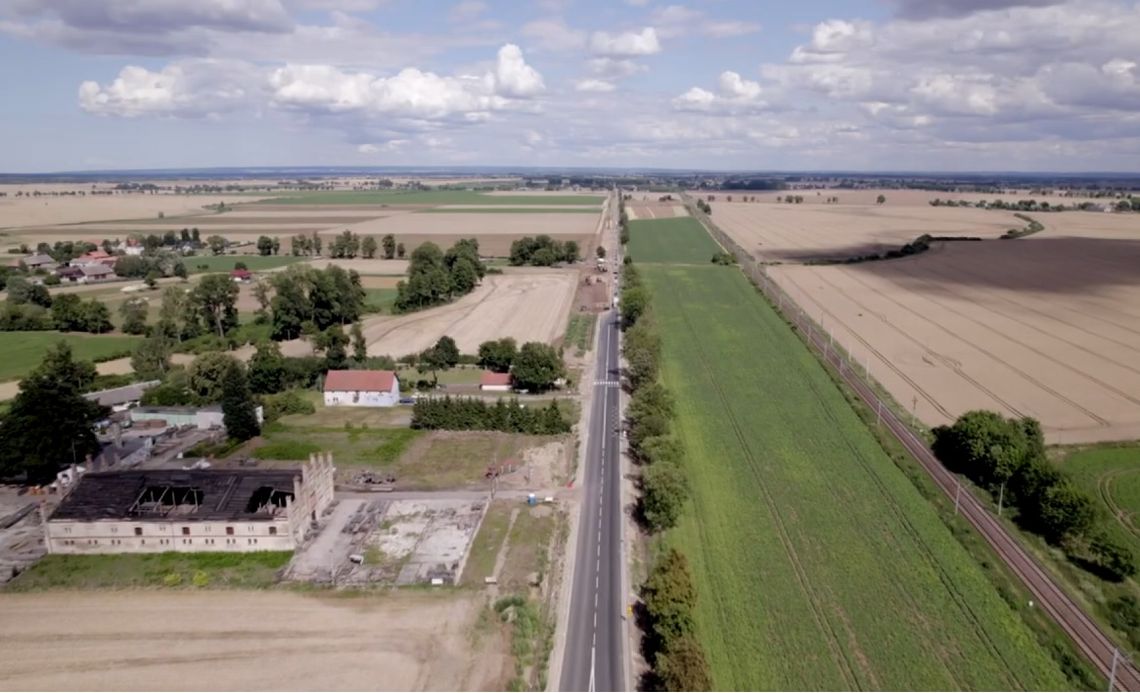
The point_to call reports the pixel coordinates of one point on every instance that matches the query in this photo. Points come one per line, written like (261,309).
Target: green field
(819,565)
(23,351)
(379,300)
(512,210)
(430,197)
(681,239)
(225,263)
(1111,474)
(174,570)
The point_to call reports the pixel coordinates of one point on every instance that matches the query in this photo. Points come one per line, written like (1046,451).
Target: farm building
(361,389)
(39,262)
(152,511)
(200,417)
(121,398)
(495,382)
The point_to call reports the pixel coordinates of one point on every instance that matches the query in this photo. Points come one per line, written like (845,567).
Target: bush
(285,403)
(201,579)
(172,579)
(468,414)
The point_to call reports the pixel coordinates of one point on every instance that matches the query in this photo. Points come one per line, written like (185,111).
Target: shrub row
(471,414)
(678,658)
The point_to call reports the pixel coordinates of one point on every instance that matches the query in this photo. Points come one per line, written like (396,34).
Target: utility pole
(1112,671)
(1001,497)
(957,496)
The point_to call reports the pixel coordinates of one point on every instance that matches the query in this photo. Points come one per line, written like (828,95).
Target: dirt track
(243,641)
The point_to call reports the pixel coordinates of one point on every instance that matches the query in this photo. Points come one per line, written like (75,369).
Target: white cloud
(554,35)
(466,10)
(189,89)
(595,85)
(148,16)
(513,77)
(734,85)
(695,99)
(679,20)
(614,68)
(735,95)
(629,43)
(368,149)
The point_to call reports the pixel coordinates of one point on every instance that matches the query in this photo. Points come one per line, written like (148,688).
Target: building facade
(361,389)
(155,511)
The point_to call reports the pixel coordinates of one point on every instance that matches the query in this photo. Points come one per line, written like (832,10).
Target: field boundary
(1090,640)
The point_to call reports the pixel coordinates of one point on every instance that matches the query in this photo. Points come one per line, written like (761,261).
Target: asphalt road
(594,657)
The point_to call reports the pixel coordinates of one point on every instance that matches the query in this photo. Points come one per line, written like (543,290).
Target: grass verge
(254,570)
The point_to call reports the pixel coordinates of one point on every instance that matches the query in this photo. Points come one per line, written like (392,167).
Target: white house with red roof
(491,381)
(361,389)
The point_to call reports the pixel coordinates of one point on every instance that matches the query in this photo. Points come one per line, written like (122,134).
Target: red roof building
(490,380)
(361,389)
(241,275)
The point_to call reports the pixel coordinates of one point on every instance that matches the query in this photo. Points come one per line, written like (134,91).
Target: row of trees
(31,307)
(704,206)
(542,251)
(268,246)
(346,245)
(435,277)
(1007,457)
(472,414)
(678,659)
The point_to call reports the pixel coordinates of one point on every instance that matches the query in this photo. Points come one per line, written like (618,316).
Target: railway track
(1088,637)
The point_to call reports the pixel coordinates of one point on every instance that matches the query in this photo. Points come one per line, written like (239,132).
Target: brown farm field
(529,305)
(796,233)
(220,640)
(895,198)
(1046,326)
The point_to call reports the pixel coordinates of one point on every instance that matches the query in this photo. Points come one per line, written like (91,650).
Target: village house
(158,510)
(38,262)
(361,389)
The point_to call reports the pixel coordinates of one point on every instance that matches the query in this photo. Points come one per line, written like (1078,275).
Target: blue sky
(726,84)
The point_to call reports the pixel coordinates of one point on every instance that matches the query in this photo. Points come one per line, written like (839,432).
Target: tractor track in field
(843,664)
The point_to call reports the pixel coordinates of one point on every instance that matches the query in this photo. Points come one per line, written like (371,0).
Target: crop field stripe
(805,582)
(524,210)
(670,240)
(437,197)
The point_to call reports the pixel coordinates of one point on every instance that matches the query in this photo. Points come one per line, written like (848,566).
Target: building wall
(167,534)
(361,398)
(312,495)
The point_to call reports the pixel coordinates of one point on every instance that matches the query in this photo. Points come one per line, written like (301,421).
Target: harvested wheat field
(1046,326)
(654,209)
(529,305)
(223,640)
(50,210)
(798,233)
(894,198)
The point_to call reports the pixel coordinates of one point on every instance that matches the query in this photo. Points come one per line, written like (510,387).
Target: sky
(951,85)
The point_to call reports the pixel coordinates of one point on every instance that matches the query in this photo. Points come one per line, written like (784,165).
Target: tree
(95,317)
(261,294)
(400,251)
(50,424)
(388,243)
(537,367)
(1113,559)
(682,666)
(152,279)
(881,199)
(316,243)
(217,244)
(276,245)
(464,276)
(21,291)
(428,282)
(1064,511)
(498,354)
(334,343)
(67,312)
(207,374)
(134,313)
(180,270)
(368,247)
(239,414)
(664,493)
(151,358)
(448,351)
(670,596)
(600,251)
(570,251)
(265,245)
(440,357)
(267,371)
(359,346)
(216,298)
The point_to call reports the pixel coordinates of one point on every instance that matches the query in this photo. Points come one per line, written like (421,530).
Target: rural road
(595,641)
(594,658)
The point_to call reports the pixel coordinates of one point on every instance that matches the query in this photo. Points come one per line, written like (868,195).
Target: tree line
(1007,458)
(677,658)
(473,414)
(345,245)
(31,307)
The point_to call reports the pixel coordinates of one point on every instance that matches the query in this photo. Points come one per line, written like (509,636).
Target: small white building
(361,389)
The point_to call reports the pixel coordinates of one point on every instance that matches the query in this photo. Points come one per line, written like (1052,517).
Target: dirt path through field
(245,641)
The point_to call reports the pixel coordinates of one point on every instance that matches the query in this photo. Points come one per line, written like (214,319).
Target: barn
(490,381)
(361,389)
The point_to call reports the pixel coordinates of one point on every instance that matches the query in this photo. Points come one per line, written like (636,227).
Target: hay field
(529,305)
(232,640)
(895,198)
(18,212)
(1047,326)
(796,233)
